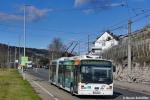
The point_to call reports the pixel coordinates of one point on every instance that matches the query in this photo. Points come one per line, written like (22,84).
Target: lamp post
(24,38)
(24,30)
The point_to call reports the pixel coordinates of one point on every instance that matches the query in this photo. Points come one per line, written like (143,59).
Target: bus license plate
(96,92)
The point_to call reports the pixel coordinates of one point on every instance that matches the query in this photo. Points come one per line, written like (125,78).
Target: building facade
(104,42)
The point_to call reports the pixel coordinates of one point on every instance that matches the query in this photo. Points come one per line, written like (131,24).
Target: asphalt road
(119,94)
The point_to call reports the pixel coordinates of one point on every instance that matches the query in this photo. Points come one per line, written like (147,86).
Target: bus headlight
(82,87)
(109,88)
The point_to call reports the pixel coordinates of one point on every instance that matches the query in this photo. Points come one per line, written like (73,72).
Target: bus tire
(50,82)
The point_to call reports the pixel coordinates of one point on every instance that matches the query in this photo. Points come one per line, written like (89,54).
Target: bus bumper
(82,92)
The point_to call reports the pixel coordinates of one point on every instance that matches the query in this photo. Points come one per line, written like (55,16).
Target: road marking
(56,98)
(44,89)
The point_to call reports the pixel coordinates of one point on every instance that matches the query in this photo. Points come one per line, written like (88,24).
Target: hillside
(37,56)
(10,53)
(140,55)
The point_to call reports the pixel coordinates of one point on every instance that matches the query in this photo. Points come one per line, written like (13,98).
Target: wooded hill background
(8,54)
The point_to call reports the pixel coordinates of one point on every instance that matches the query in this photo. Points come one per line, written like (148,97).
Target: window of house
(93,51)
(112,43)
(108,39)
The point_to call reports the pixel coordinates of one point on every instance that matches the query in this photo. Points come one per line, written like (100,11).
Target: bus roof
(82,57)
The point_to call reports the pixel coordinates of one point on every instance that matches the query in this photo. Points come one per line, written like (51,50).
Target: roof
(110,33)
(81,57)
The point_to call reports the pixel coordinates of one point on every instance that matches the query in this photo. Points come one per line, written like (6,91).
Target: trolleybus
(83,75)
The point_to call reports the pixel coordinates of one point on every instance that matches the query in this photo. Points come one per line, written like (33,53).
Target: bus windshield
(96,74)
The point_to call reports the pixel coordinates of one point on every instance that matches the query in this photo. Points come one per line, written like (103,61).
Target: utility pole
(79,48)
(19,52)
(88,43)
(129,47)
(15,57)
(49,72)
(8,56)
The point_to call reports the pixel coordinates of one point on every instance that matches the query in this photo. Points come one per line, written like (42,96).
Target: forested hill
(29,51)
(37,56)
(10,53)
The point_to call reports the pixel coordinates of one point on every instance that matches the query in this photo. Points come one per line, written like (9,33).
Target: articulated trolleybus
(83,75)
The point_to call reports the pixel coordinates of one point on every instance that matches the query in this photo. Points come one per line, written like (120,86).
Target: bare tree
(56,48)
(3,55)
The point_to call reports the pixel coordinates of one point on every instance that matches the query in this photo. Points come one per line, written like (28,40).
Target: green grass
(13,87)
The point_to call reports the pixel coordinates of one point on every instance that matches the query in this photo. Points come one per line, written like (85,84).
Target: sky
(69,20)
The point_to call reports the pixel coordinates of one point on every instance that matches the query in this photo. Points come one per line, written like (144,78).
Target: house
(104,42)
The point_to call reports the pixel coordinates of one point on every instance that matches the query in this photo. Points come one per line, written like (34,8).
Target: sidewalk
(137,87)
(37,84)
(47,91)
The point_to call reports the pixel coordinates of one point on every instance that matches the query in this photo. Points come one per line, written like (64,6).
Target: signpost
(24,61)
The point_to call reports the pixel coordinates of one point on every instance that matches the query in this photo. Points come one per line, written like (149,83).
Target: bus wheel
(71,90)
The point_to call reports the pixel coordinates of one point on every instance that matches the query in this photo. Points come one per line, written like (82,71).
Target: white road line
(56,98)
(44,89)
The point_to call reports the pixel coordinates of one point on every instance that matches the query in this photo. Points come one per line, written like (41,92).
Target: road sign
(24,60)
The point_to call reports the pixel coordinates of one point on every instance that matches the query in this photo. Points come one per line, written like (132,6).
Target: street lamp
(24,36)
(25,29)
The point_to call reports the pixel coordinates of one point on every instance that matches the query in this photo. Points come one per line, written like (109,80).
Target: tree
(56,48)
(44,61)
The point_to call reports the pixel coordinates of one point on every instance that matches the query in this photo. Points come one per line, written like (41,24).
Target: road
(59,94)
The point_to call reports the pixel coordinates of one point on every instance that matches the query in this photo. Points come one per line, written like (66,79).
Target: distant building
(104,42)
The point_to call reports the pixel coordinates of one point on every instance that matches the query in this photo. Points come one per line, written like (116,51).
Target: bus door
(76,77)
(63,75)
(60,74)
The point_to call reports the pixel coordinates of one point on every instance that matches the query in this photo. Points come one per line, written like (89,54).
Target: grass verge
(13,87)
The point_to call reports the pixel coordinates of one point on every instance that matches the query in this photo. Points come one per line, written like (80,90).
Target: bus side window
(114,68)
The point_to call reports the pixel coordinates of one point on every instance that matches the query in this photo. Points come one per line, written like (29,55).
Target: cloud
(91,6)
(88,11)
(80,2)
(32,14)
(35,14)
(9,17)
(116,4)
(138,0)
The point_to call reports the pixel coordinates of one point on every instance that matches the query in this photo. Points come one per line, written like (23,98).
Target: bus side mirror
(114,68)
